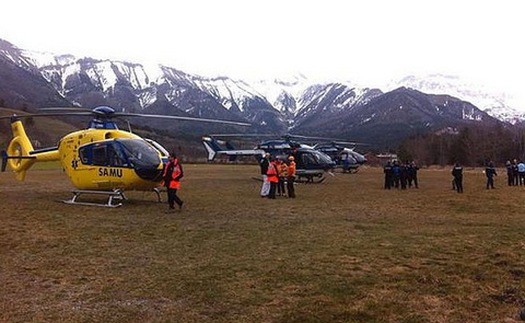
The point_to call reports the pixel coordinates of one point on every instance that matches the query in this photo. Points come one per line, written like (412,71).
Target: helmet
(291,158)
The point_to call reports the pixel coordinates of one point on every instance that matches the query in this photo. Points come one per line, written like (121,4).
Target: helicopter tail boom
(20,154)
(213,148)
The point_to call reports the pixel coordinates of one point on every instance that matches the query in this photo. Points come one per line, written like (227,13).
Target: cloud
(366,41)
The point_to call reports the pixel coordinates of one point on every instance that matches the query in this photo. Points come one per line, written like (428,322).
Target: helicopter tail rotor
(17,154)
(20,155)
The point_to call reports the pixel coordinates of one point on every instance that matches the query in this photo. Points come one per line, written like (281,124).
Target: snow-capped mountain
(494,103)
(272,106)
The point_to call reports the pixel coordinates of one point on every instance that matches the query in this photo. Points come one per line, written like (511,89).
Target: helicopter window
(347,158)
(99,155)
(84,155)
(115,155)
(308,159)
(103,154)
(322,158)
(139,152)
(158,146)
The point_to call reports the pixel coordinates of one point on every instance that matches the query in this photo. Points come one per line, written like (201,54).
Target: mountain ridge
(277,106)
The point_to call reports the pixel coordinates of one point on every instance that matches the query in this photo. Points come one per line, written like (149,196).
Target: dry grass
(343,251)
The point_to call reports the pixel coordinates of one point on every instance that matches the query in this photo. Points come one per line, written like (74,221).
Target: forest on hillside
(470,146)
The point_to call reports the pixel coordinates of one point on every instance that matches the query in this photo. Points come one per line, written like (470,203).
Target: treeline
(470,145)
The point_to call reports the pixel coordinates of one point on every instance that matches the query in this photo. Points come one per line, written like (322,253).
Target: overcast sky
(368,42)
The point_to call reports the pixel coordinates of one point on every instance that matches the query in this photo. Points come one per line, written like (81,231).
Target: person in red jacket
(172,175)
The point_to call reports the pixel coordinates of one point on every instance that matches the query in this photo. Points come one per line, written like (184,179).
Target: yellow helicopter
(100,159)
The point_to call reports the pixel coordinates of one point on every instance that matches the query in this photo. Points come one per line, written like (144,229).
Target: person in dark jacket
(490,172)
(387,170)
(413,173)
(457,172)
(515,174)
(403,175)
(291,177)
(396,173)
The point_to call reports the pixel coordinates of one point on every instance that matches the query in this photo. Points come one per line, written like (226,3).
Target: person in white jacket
(264,162)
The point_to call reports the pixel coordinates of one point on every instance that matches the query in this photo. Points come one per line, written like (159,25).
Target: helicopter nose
(149,173)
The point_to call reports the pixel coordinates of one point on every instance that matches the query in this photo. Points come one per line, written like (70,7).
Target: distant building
(387,156)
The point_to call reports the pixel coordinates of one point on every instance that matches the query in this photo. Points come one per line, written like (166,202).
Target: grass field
(343,251)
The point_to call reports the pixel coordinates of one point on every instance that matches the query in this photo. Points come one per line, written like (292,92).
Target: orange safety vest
(272,173)
(173,180)
(291,169)
(283,170)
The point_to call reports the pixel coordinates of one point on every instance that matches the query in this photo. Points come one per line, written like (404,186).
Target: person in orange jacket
(290,177)
(173,173)
(281,173)
(273,177)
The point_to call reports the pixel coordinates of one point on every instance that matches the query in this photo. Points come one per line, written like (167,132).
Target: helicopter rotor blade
(334,141)
(111,113)
(352,143)
(240,135)
(62,114)
(313,138)
(159,116)
(289,137)
(106,113)
(71,109)
(31,115)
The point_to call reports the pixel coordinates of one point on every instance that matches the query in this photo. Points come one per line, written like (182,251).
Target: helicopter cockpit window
(140,153)
(158,146)
(115,155)
(322,158)
(347,158)
(309,159)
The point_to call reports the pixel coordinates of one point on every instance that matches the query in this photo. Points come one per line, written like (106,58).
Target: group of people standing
(400,175)
(515,172)
(276,174)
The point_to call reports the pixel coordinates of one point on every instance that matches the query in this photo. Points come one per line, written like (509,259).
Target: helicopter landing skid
(157,191)
(310,180)
(112,195)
